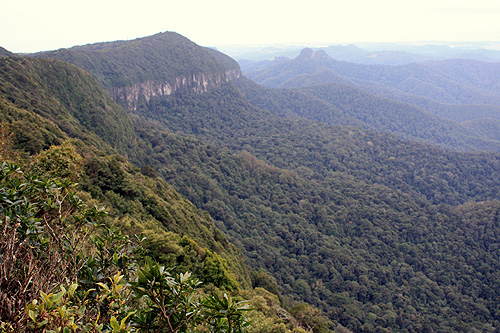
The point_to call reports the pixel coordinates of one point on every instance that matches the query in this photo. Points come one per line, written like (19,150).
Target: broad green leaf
(114,324)
(72,289)
(32,315)
(103,286)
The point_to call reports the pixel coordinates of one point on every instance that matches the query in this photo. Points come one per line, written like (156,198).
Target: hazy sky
(36,25)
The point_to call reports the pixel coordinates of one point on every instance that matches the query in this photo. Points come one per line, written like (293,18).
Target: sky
(36,25)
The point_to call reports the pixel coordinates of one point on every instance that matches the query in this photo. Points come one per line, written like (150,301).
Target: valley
(370,192)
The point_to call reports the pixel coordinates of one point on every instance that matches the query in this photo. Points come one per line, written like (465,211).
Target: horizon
(375,46)
(33,26)
(371,46)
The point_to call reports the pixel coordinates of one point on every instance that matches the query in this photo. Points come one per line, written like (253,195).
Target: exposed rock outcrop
(198,83)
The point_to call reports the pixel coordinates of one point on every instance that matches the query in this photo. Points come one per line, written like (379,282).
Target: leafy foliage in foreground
(46,228)
(51,245)
(88,277)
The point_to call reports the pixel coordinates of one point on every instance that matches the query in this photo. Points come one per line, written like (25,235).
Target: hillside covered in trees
(448,103)
(289,191)
(55,169)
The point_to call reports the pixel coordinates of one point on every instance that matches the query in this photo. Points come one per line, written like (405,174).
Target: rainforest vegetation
(312,208)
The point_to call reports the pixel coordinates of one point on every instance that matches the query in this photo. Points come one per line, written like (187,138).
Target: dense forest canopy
(426,102)
(46,149)
(326,203)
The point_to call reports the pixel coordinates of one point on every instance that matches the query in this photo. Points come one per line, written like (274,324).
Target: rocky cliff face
(198,83)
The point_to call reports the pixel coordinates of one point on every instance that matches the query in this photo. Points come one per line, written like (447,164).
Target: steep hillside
(45,102)
(67,96)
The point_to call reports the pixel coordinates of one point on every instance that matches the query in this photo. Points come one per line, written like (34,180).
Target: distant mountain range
(446,81)
(428,101)
(375,53)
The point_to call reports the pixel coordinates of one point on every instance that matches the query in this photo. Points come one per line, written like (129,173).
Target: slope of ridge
(403,119)
(295,103)
(342,104)
(68,96)
(474,73)
(457,112)
(229,63)
(45,102)
(5,53)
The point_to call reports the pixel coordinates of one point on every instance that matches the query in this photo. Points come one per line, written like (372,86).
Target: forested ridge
(122,63)
(426,102)
(377,232)
(77,104)
(446,81)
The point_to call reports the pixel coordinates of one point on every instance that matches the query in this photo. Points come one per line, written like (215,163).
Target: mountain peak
(157,65)
(321,54)
(308,53)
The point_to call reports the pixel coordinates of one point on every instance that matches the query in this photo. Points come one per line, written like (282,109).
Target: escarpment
(197,83)
(159,65)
